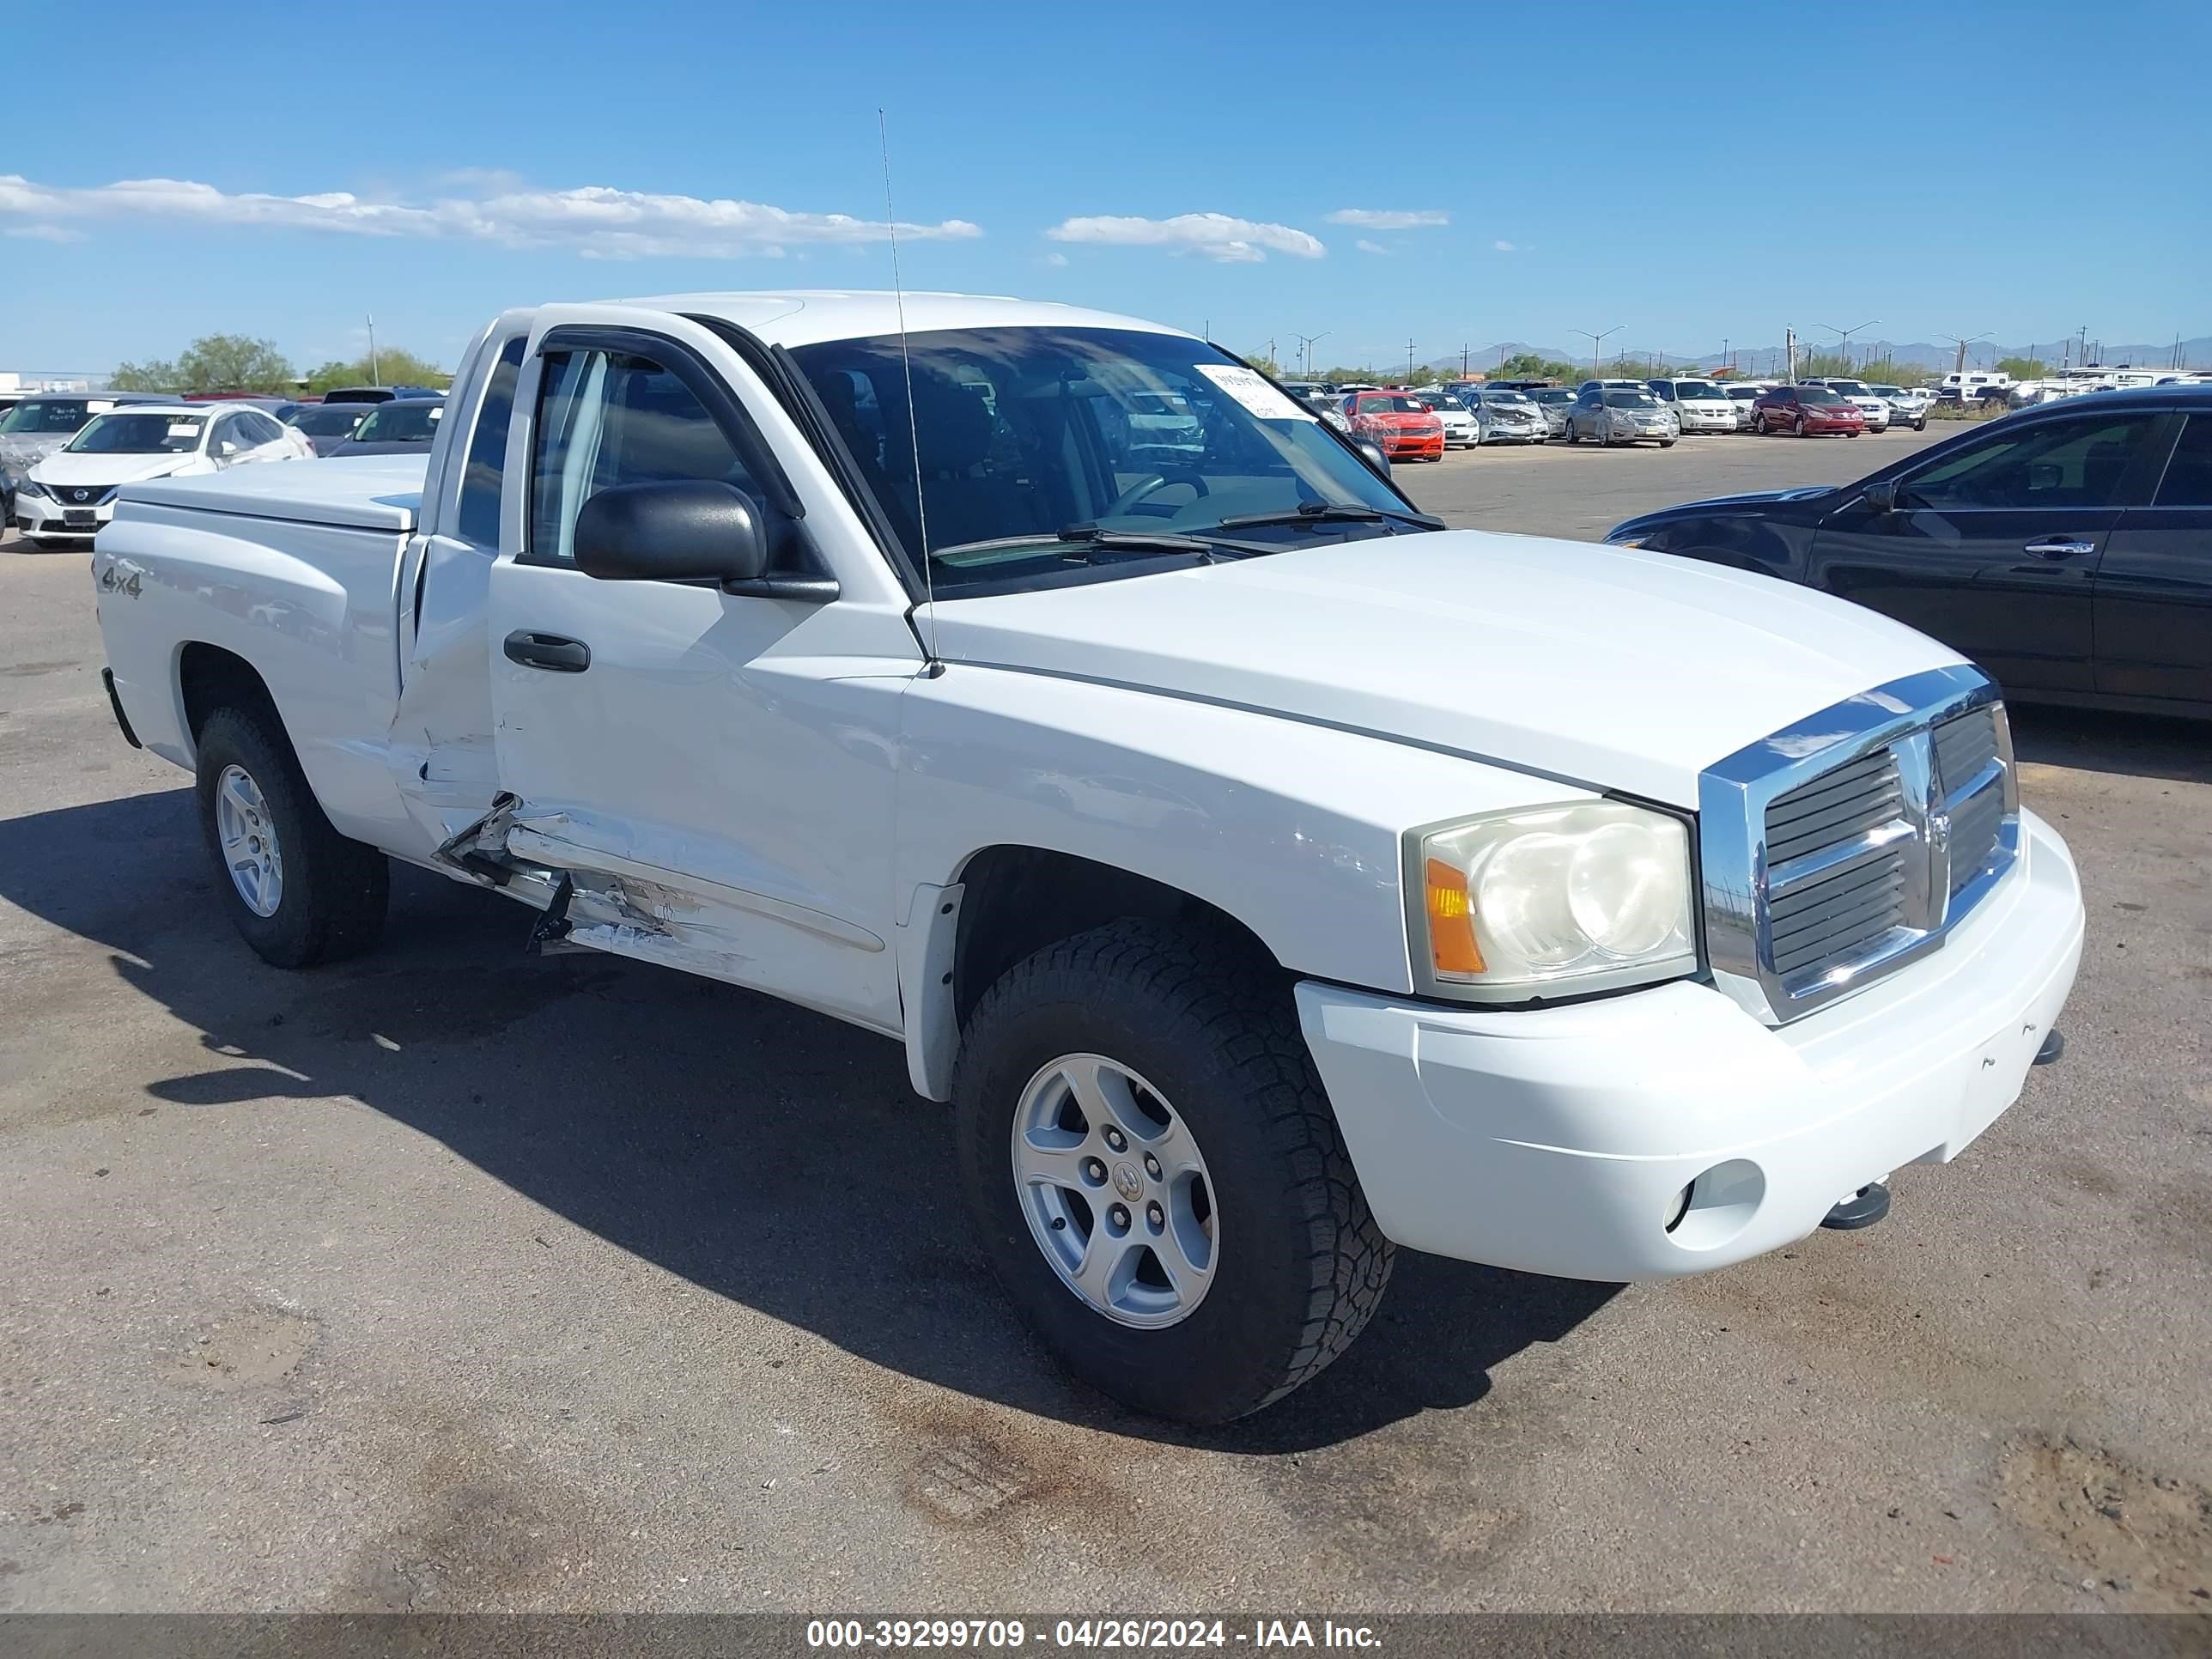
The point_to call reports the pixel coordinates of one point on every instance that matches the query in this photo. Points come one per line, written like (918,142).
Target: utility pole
(1462,358)
(1596,340)
(1306,347)
(1409,363)
(373,378)
(1789,345)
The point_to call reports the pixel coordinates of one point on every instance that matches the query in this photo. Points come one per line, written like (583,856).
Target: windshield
(1631,400)
(44,414)
(139,434)
(1514,399)
(399,423)
(1389,403)
(1016,435)
(1888,390)
(1696,389)
(1743,394)
(1818,394)
(1557,394)
(1848,388)
(330,420)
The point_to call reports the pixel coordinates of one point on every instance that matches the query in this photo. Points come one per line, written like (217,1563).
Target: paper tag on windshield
(1253,392)
(186,429)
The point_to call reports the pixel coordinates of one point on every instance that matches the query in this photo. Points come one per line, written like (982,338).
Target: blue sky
(1687,172)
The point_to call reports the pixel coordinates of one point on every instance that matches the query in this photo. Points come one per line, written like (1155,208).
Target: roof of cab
(806,317)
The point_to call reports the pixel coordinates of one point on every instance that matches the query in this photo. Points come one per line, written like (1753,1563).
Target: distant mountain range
(2195,353)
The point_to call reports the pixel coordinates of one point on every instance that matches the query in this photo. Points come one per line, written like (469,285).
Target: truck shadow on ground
(771,1155)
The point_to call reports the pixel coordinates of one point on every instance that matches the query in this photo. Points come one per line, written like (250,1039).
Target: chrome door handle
(2060,549)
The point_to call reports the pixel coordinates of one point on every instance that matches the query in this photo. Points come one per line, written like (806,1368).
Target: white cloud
(46,232)
(1366,247)
(1504,246)
(597,220)
(1216,235)
(1055,259)
(1389,218)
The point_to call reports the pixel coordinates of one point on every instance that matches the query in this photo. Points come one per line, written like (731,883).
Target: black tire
(334,890)
(1665,443)
(1302,1265)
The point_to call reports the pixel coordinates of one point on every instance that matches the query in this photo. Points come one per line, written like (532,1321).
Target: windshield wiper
(1331,513)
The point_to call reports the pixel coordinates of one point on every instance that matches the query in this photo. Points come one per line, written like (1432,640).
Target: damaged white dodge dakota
(1267,875)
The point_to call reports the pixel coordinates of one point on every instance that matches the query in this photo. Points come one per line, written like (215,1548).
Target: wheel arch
(1008,900)
(209,677)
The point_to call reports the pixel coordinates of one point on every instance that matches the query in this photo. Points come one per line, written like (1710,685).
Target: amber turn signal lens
(1452,948)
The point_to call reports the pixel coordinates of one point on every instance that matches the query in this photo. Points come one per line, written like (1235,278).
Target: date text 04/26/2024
(1168,1635)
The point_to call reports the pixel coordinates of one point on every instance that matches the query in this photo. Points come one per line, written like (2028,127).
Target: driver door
(712,771)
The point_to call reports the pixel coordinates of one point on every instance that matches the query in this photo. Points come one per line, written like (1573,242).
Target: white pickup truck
(1267,876)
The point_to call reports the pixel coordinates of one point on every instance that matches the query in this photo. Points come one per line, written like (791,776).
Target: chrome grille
(1840,848)
(1970,774)
(1835,863)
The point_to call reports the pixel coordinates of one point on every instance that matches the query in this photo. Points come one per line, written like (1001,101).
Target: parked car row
(1620,411)
(62,456)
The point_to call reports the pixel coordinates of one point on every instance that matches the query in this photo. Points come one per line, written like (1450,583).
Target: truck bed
(291,570)
(366,492)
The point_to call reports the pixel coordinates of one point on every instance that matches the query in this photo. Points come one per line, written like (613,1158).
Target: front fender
(1295,830)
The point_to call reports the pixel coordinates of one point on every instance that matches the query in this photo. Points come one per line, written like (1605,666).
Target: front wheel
(298,891)
(1156,1177)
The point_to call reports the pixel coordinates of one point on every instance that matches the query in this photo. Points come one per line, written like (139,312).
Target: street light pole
(1845,348)
(1596,340)
(1306,345)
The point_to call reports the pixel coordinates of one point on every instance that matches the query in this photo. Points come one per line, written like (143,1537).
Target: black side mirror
(1371,452)
(683,529)
(1883,495)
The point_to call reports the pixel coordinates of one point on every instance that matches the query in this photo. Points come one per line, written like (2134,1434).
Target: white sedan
(1461,429)
(71,494)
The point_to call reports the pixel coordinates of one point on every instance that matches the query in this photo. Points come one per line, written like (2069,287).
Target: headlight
(32,487)
(1581,898)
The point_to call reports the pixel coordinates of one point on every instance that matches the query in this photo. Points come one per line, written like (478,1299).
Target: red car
(1403,426)
(1806,410)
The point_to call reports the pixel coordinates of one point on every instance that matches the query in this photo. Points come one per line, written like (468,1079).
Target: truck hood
(114,469)
(1603,666)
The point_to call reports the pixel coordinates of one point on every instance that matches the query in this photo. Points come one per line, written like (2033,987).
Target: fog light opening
(1680,1207)
(1720,1205)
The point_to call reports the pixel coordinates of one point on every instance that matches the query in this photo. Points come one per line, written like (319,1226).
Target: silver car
(1553,403)
(1619,415)
(1508,417)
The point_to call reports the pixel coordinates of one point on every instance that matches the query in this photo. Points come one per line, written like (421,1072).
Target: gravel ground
(452,1279)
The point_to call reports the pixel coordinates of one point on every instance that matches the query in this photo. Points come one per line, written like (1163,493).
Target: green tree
(1527,365)
(394,367)
(1888,371)
(232,363)
(2024,368)
(152,375)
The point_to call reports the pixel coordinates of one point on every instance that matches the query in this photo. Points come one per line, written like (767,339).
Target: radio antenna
(913,424)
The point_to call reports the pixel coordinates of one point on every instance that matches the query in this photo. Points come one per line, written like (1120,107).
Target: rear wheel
(297,890)
(1155,1174)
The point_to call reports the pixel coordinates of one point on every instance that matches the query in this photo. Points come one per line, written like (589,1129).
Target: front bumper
(40,516)
(1817,423)
(1560,1140)
(1703,422)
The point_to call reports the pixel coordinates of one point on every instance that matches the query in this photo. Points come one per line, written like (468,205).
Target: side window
(477,512)
(226,440)
(607,418)
(259,428)
(2188,481)
(2078,463)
